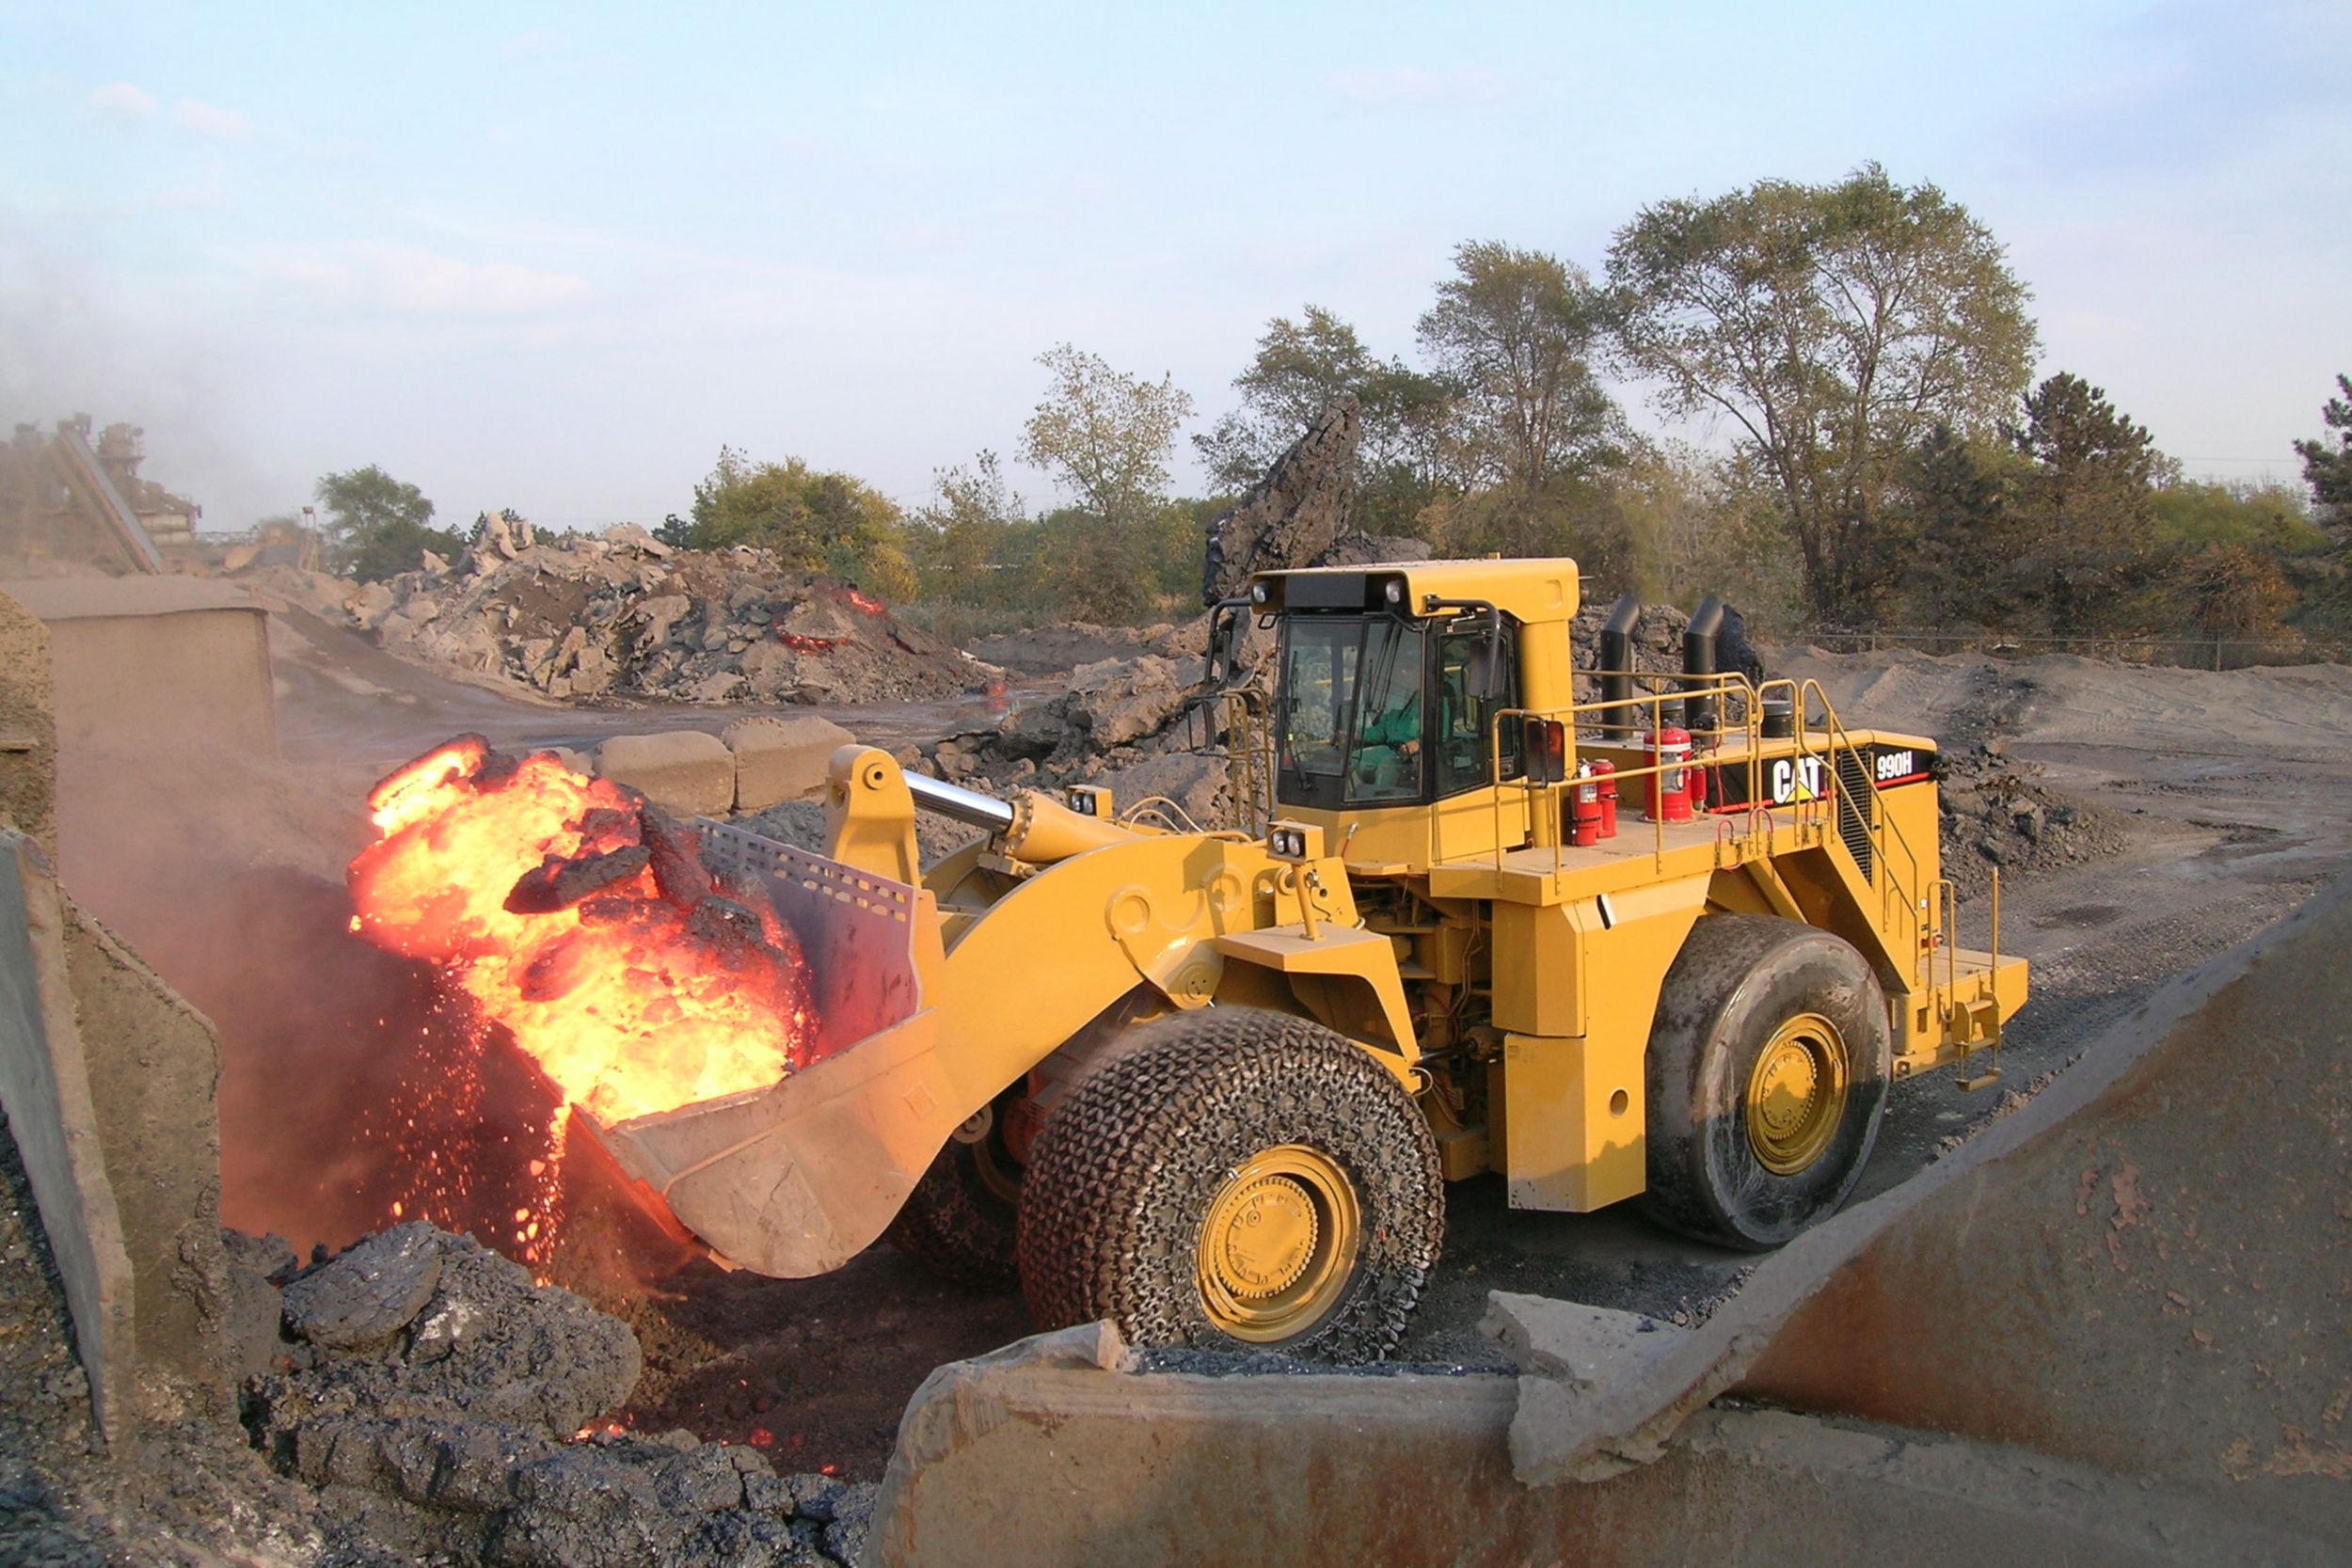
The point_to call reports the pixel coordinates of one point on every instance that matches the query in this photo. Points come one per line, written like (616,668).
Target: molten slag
(580,918)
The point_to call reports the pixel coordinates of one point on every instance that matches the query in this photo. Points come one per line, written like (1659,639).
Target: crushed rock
(620,615)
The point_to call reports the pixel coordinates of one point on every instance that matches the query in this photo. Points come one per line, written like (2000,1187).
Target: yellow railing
(1761,816)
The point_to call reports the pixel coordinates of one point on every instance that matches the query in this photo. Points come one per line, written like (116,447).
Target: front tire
(962,1219)
(1234,1179)
(1767,1070)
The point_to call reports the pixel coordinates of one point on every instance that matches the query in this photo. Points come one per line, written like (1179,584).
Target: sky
(551,257)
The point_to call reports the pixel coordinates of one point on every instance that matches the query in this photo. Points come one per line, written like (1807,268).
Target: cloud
(120,100)
(408,280)
(198,117)
(1407,87)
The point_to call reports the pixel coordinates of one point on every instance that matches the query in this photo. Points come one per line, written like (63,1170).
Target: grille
(1854,806)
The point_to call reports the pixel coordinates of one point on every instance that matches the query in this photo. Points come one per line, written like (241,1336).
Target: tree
(1835,326)
(1301,367)
(2329,470)
(377,526)
(968,542)
(1106,437)
(1513,332)
(2086,521)
(813,521)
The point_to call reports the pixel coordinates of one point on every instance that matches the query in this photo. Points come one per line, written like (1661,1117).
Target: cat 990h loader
(1670,945)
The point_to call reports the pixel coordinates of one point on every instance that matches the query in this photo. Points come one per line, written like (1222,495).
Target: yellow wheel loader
(1212,1085)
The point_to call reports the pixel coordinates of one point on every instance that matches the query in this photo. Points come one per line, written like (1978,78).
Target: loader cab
(1377,712)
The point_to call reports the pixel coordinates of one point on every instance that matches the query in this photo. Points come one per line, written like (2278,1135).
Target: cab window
(1465,719)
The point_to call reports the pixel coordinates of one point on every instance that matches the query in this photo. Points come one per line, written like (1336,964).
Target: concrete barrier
(45,1088)
(781,758)
(1039,1454)
(685,773)
(154,1075)
(28,727)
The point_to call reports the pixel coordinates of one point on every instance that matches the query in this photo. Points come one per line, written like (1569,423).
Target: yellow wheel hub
(1278,1244)
(1797,1094)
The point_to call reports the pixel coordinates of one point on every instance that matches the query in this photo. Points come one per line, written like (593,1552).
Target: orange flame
(871,607)
(580,918)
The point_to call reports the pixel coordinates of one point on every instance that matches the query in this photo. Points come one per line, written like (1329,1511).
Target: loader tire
(961,1220)
(1767,1073)
(1234,1179)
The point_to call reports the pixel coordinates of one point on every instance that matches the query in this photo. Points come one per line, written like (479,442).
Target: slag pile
(620,615)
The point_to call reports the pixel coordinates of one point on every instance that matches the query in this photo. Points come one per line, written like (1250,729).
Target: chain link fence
(2193,653)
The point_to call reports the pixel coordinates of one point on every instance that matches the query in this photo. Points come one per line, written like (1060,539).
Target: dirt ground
(2234,792)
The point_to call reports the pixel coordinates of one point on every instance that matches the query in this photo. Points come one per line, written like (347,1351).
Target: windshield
(1318,684)
(1351,720)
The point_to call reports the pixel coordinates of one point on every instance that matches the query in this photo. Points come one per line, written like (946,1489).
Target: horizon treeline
(1865,346)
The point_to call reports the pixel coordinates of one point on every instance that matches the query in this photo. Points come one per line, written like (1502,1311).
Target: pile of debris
(429,1388)
(1996,813)
(620,614)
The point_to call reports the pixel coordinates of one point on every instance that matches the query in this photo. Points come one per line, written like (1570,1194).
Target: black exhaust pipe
(1616,663)
(1698,665)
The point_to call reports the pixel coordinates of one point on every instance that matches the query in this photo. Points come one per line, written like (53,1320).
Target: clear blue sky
(551,257)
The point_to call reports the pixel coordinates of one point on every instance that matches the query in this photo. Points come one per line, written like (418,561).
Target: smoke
(77,335)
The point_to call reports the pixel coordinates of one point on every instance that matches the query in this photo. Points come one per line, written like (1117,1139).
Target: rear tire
(1234,1179)
(962,1220)
(1767,1073)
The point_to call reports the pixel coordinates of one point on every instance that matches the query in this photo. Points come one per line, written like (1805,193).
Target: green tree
(1106,437)
(813,521)
(2085,522)
(1300,369)
(1513,335)
(2327,469)
(1835,326)
(378,526)
(973,539)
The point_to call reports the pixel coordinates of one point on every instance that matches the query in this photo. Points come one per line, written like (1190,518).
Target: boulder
(368,1294)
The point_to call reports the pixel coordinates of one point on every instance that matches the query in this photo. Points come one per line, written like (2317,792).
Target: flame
(808,644)
(871,607)
(582,919)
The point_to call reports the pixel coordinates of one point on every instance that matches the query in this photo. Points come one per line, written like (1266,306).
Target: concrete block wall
(754,764)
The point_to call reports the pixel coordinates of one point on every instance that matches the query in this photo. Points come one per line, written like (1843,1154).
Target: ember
(580,918)
(808,644)
(871,607)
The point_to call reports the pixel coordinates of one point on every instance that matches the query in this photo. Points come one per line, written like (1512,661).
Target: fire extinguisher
(1605,782)
(1666,792)
(1584,808)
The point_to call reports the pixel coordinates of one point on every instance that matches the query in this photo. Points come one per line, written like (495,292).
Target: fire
(582,919)
(871,607)
(808,644)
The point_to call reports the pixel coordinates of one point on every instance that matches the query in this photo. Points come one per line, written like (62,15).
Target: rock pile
(425,1381)
(1997,814)
(620,614)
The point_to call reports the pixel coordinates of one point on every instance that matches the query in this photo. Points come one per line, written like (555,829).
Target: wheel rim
(1278,1244)
(1797,1094)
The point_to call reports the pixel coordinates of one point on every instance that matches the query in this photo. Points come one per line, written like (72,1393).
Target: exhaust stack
(1616,663)
(1699,663)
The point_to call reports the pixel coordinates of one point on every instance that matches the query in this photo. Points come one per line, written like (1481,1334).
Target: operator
(1392,733)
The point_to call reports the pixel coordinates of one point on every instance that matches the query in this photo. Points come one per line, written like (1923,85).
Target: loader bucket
(798,1178)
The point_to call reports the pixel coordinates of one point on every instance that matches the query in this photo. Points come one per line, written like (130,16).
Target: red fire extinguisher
(1605,778)
(1584,808)
(1666,792)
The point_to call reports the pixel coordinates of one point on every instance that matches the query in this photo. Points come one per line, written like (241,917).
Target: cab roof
(1531,589)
